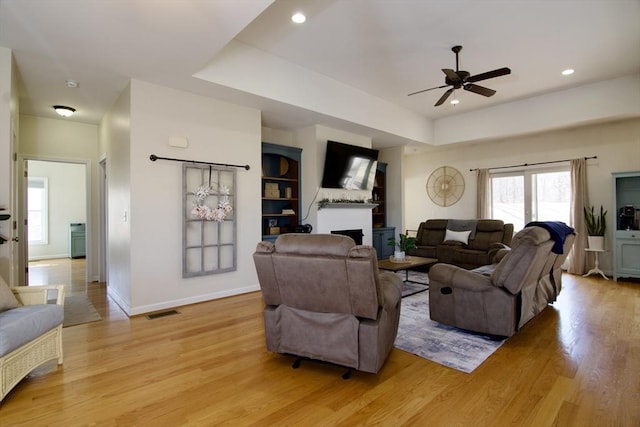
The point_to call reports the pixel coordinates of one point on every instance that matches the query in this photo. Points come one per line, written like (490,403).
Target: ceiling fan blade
(451,75)
(489,75)
(444,97)
(480,90)
(425,90)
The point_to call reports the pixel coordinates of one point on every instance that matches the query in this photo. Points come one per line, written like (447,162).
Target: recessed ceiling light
(298,18)
(568,72)
(64,111)
(71,83)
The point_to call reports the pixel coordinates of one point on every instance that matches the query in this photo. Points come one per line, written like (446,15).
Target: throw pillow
(7,299)
(457,236)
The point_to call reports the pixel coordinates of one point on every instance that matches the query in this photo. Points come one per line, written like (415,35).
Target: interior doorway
(56,227)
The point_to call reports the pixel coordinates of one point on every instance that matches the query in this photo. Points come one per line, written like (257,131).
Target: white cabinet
(626,211)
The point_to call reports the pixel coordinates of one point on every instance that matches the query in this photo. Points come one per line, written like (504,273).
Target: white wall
(313,141)
(115,130)
(394,158)
(216,132)
(6,77)
(616,144)
(254,71)
(67,203)
(597,102)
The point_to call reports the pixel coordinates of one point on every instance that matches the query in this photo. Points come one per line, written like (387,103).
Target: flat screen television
(349,167)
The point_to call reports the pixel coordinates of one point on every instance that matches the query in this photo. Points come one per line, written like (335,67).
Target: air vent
(162,314)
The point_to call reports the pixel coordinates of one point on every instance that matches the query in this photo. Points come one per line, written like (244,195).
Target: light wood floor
(576,364)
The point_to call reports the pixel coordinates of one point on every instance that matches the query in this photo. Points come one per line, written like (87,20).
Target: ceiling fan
(463,79)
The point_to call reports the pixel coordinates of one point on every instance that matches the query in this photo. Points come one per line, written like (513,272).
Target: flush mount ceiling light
(568,72)
(64,111)
(298,17)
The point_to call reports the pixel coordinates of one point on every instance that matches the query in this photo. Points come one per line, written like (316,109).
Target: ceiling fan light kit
(460,79)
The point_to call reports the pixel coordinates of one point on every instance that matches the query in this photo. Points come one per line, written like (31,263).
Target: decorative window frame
(208,246)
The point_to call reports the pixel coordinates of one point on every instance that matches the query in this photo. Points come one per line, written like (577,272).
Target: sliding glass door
(519,197)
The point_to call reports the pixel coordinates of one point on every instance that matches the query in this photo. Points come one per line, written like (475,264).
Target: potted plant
(596,226)
(402,244)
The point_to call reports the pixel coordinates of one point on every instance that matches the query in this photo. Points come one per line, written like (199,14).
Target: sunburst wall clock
(445,186)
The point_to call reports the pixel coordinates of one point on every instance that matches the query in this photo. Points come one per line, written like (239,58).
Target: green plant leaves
(596,224)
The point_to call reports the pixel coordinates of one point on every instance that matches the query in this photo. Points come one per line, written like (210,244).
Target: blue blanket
(558,231)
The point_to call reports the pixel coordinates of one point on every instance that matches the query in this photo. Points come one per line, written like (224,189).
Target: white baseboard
(191,300)
(118,300)
(42,257)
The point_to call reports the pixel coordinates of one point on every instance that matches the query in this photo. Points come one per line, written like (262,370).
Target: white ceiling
(383,48)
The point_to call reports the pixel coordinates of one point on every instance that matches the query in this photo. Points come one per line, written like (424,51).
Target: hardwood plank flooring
(576,364)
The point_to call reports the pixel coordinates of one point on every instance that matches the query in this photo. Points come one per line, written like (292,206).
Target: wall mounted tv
(349,167)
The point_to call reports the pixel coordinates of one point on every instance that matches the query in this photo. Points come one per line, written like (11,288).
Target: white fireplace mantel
(348,206)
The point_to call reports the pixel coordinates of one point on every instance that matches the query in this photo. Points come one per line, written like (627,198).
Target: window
(532,195)
(37,204)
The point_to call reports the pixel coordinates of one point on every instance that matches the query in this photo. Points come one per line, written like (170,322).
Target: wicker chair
(32,347)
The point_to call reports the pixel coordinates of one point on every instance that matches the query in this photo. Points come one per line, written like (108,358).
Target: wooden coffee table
(409,263)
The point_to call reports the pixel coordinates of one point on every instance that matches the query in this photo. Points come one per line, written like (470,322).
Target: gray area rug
(77,310)
(443,344)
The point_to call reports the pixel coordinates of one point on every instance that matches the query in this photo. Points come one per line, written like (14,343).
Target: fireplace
(346,216)
(355,234)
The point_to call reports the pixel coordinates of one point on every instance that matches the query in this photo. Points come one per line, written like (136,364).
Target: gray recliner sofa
(501,299)
(325,299)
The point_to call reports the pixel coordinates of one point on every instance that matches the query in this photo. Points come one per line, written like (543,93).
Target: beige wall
(616,144)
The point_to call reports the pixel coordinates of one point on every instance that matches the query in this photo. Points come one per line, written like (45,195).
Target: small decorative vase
(596,243)
(398,255)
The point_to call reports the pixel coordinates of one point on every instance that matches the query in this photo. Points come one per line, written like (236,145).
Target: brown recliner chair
(325,299)
(520,286)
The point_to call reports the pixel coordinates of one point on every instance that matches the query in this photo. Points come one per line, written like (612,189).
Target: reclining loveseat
(465,243)
(499,299)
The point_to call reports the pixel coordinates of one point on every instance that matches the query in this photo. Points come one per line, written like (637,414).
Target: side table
(596,268)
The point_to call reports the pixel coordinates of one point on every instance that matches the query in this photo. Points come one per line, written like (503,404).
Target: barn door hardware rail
(153,158)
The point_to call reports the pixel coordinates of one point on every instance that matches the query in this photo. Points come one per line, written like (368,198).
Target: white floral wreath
(205,212)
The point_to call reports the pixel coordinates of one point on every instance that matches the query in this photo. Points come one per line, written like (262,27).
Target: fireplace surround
(346,216)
